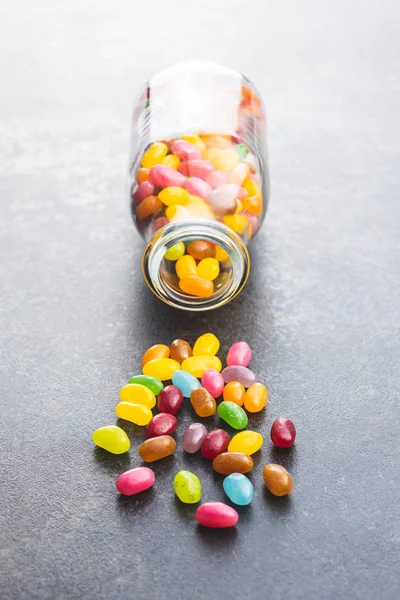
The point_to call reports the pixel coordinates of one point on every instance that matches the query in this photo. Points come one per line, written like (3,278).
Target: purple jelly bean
(197,187)
(213,381)
(144,189)
(239,354)
(163,176)
(194,437)
(241,374)
(186,150)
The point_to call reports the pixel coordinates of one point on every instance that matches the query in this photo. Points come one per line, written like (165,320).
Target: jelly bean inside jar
(198,196)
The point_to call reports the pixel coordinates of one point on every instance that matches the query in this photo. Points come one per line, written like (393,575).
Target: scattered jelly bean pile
(196,375)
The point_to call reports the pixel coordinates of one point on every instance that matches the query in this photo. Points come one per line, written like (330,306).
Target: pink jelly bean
(213,381)
(185,150)
(217,178)
(159,223)
(196,168)
(144,189)
(233,190)
(216,514)
(163,176)
(135,481)
(238,354)
(254,222)
(197,187)
(255,178)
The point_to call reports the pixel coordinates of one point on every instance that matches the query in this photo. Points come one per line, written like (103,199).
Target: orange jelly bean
(143,175)
(196,286)
(149,206)
(203,403)
(157,351)
(234,392)
(252,204)
(255,398)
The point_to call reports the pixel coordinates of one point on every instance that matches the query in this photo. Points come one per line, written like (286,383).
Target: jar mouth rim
(188,231)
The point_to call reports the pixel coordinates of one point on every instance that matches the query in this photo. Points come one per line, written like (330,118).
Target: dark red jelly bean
(215,443)
(161,424)
(283,433)
(170,400)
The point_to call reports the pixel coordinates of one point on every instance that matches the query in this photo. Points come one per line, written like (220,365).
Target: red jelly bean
(283,433)
(170,400)
(135,481)
(216,514)
(161,424)
(215,443)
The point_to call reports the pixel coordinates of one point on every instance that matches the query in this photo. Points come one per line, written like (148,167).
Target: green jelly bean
(233,414)
(154,384)
(187,487)
(242,150)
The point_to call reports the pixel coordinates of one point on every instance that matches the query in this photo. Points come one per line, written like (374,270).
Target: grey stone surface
(321,309)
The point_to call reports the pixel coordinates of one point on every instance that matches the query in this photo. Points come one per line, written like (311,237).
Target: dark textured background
(321,309)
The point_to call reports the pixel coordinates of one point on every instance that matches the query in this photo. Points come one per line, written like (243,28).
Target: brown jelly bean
(201,249)
(180,350)
(156,448)
(277,480)
(215,443)
(161,424)
(203,403)
(232,462)
(170,400)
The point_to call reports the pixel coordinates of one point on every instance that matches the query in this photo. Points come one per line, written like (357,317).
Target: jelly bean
(197,365)
(283,433)
(215,443)
(216,515)
(216,141)
(149,206)
(239,173)
(252,188)
(208,268)
(137,394)
(232,191)
(196,168)
(220,254)
(158,223)
(154,155)
(241,374)
(157,351)
(186,150)
(162,368)
(206,345)
(222,203)
(233,414)
(161,424)
(239,354)
(144,189)
(232,462)
(253,205)
(247,442)
(213,381)
(187,487)
(203,403)
(234,392)
(135,413)
(142,175)
(175,251)
(186,265)
(163,177)
(170,399)
(253,221)
(180,350)
(255,398)
(111,438)
(277,480)
(255,178)
(194,437)
(185,381)
(217,178)
(194,139)
(196,286)
(155,385)
(201,249)
(242,150)
(239,489)
(171,161)
(156,448)
(238,223)
(198,187)
(173,195)
(135,481)
(226,160)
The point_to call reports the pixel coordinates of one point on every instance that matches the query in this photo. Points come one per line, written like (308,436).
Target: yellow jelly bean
(208,268)
(185,265)
(220,254)
(175,252)
(238,223)
(136,393)
(172,161)
(225,160)
(196,286)
(211,153)
(253,189)
(173,195)
(247,442)
(111,438)
(239,173)
(206,345)
(176,212)
(198,365)
(154,155)
(136,413)
(194,139)
(161,368)
(216,141)
(255,398)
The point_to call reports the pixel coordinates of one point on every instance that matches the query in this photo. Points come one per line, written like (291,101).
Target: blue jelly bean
(185,382)
(239,489)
